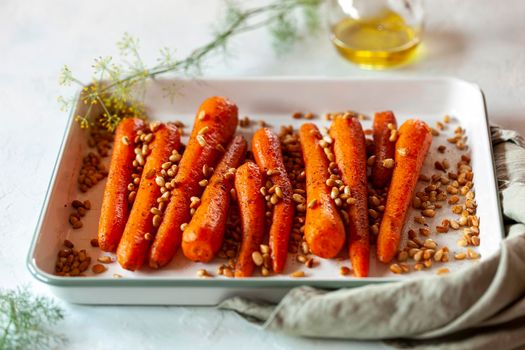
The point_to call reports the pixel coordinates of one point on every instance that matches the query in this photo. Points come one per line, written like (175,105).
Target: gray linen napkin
(481,307)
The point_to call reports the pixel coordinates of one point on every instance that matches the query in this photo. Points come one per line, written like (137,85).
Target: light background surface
(477,40)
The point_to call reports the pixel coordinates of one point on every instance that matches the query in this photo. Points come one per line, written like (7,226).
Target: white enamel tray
(273,100)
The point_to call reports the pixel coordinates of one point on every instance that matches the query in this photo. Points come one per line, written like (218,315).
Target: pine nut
(298,198)
(351,201)
(393,135)
(155,211)
(297,274)
(388,163)
(201,140)
(344,271)
(257,258)
(419,220)
(395,268)
(460,256)
(312,203)
(105,259)
(203,130)
(156,220)
(402,256)
(203,273)
(159,180)
(430,244)
(443,271)
(98,268)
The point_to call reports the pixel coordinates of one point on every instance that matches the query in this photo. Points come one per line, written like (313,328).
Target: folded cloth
(480,307)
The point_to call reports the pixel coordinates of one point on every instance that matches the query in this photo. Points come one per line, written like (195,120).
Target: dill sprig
(26,320)
(117,88)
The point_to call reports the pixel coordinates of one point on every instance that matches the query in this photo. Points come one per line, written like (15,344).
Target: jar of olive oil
(376,34)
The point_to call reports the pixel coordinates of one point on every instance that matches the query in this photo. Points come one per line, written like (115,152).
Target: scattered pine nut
(345,271)
(201,140)
(98,268)
(388,163)
(257,258)
(105,259)
(442,271)
(297,274)
(395,268)
(203,273)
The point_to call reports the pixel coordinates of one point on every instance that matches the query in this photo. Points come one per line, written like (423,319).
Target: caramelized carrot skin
(411,149)
(133,247)
(115,206)
(220,116)
(384,148)
(324,230)
(350,155)
(203,236)
(248,181)
(266,149)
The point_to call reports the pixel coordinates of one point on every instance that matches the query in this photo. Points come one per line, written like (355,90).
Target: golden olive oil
(376,43)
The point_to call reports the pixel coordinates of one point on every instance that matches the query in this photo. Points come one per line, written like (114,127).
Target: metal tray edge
(50,279)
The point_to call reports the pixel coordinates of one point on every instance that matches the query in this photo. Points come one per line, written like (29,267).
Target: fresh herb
(118,88)
(26,321)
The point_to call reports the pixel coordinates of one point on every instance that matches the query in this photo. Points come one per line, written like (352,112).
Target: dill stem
(199,53)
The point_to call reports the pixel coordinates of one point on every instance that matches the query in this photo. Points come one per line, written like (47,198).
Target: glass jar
(376,34)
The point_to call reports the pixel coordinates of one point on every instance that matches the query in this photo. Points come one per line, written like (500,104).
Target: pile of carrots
(128,229)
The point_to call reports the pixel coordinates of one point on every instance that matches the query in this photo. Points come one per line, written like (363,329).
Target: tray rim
(252,282)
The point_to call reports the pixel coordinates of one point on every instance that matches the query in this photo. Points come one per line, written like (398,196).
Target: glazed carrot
(133,247)
(411,149)
(248,182)
(214,126)
(266,149)
(115,206)
(350,156)
(384,148)
(203,236)
(324,230)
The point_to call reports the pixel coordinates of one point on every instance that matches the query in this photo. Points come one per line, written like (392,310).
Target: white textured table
(480,41)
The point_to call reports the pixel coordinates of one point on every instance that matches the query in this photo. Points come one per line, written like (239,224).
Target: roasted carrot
(411,149)
(248,182)
(350,156)
(133,247)
(324,230)
(115,206)
(266,149)
(214,126)
(202,238)
(384,123)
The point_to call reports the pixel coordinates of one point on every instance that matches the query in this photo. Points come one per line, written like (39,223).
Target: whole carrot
(133,247)
(214,127)
(266,149)
(411,149)
(324,230)
(350,156)
(248,181)
(115,206)
(385,144)
(202,237)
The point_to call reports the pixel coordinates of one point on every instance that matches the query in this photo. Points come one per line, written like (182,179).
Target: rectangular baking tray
(273,100)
